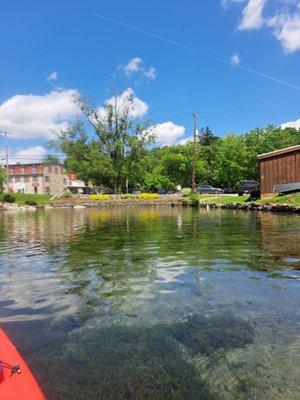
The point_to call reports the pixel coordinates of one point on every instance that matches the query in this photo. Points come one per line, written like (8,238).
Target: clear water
(154,303)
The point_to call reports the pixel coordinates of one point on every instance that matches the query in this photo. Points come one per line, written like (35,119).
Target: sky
(236,63)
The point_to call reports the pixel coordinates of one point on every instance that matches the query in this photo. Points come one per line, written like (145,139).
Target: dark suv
(248,187)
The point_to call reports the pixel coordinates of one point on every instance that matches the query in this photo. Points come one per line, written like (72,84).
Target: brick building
(41,179)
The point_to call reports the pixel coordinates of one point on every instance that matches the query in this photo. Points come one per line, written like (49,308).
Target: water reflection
(128,290)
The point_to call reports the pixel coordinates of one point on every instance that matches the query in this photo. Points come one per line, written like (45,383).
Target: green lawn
(22,197)
(222,198)
(291,199)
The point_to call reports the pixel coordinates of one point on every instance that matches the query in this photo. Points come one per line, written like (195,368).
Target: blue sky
(81,53)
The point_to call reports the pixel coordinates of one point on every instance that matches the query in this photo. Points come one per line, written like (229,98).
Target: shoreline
(174,201)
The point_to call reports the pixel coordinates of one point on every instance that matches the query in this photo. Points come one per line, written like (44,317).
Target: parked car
(207,189)
(248,187)
(161,191)
(136,192)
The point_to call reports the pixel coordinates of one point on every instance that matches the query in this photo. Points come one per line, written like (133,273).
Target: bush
(31,203)
(186,192)
(148,196)
(66,195)
(101,197)
(194,200)
(8,198)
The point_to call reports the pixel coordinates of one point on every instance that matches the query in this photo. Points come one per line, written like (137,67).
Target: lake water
(154,303)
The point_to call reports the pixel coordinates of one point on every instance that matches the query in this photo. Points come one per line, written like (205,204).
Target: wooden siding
(279,169)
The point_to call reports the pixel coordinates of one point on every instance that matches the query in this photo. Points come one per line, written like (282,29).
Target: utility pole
(6,150)
(195,117)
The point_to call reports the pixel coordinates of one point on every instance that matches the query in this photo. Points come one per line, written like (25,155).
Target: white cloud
(167,133)
(235,59)
(135,65)
(150,73)
(53,76)
(284,23)
(31,116)
(126,101)
(286,28)
(28,155)
(225,3)
(292,124)
(252,15)
(186,140)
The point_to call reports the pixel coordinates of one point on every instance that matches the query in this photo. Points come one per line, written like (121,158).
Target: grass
(291,199)
(21,198)
(222,199)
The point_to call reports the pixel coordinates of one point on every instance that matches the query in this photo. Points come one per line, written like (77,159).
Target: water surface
(154,303)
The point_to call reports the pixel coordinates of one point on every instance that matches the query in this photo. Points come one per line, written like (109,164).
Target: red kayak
(16,380)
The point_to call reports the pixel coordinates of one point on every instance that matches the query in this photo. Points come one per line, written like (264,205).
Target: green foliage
(8,198)
(31,203)
(112,156)
(186,192)
(194,200)
(119,153)
(66,195)
(2,178)
(22,198)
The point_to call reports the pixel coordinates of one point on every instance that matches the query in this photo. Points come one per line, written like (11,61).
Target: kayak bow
(16,380)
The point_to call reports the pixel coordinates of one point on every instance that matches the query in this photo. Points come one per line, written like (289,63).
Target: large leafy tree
(108,144)
(271,138)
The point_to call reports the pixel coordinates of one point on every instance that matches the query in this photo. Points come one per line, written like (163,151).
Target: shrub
(194,200)
(186,192)
(148,196)
(66,195)
(101,197)
(8,198)
(31,203)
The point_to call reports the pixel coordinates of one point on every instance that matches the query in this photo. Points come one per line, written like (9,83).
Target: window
(47,178)
(11,171)
(34,169)
(22,171)
(64,181)
(35,178)
(50,169)
(18,179)
(47,190)
(26,179)
(56,170)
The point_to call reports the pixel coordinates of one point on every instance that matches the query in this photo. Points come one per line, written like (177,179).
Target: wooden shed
(280,170)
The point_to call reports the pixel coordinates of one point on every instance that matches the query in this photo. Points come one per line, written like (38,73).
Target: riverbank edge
(179,202)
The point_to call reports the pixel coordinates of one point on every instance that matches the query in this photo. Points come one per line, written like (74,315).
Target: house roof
(279,152)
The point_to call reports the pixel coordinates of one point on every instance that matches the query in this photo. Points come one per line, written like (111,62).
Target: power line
(198,51)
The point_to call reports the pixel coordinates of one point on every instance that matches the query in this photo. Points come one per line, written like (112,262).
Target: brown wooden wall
(277,169)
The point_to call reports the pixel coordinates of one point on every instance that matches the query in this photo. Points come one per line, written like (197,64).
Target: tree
(120,136)
(2,178)
(206,137)
(271,138)
(119,141)
(231,160)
